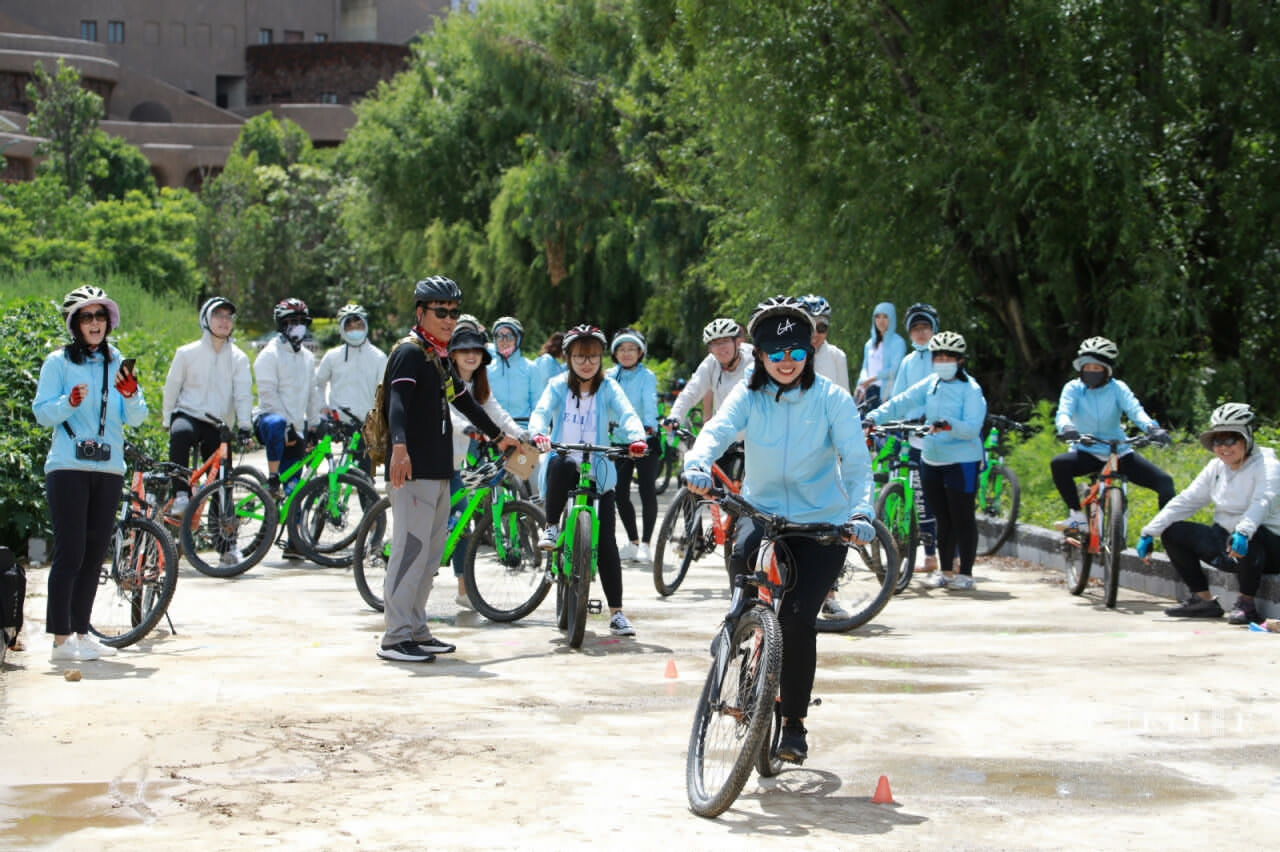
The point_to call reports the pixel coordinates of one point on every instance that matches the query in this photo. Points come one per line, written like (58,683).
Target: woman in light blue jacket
(881,355)
(641,386)
(577,408)
(87,396)
(951,456)
(807,461)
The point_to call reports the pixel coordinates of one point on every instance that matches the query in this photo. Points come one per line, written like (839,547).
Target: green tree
(66,115)
(126,170)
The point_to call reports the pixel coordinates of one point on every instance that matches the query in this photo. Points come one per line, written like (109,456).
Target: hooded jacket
(204,381)
(806,456)
(514,382)
(892,348)
(287,383)
(1243,499)
(959,402)
(348,377)
(612,406)
(641,387)
(1096,411)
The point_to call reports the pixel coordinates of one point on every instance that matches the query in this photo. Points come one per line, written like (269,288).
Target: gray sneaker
(960,583)
(1196,607)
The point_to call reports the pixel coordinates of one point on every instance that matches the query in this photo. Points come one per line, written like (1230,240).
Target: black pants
(647,480)
(1189,543)
(562,475)
(83,508)
(818,566)
(186,433)
(951,490)
(1067,466)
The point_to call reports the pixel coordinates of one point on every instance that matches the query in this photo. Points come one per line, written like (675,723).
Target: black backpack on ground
(13,593)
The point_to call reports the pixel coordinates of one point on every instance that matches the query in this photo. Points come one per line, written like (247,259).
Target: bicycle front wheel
(768,764)
(371,552)
(578,591)
(867,582)
(998,505)
(136,584)
(734,712)
(325,515)
(899,516)
(1113,543)
(666,468)
(1078,572)
(504,571)
(228,527)
(680,541)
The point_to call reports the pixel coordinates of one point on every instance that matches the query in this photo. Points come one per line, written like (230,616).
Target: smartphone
(126,366)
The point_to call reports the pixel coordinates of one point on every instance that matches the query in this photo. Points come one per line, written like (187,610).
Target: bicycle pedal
(594,606)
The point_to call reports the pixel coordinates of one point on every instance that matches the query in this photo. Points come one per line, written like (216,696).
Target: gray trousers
(420,525)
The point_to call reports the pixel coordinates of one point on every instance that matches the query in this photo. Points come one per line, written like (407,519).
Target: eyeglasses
(821,328)
(586,359)
(441,313)
(1230,439)
(86,317)
(502,335)
(781,355)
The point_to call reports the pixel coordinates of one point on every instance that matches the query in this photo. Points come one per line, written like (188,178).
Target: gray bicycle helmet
(350,310)
(437,288)
(818,307)
(511,323)
(1229,417)
(629,335)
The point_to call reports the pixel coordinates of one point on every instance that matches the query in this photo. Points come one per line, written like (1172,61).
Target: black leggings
(819,566)
(562,475)
(950,490)
(82,505)
(647,468)
(185,433)
(1189,543)
(1067,466)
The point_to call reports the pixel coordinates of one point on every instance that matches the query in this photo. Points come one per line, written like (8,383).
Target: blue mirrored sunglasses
(781,355)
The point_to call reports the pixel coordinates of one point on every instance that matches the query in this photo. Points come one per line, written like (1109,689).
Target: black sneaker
(432,645)
(291,553)
(1196,607)
(1244,612)
(791,745)
(273,487)
(406,652)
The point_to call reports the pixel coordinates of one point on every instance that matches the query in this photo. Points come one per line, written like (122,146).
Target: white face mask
(355,337)
(296,332)
(945,371)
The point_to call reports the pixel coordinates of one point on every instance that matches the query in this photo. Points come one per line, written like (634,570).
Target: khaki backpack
(377,432)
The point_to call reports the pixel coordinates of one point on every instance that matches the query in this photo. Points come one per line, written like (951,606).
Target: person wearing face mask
(881,354)
(348,375)
(1242,481)
(288,402)
(922,324)
(1092,405)
(641,386)
(950,454)
(512,377)
(208,376)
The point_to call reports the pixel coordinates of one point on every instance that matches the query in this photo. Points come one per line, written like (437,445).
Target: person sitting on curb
(1243,483)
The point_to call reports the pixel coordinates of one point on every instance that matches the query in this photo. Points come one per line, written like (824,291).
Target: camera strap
(102,412)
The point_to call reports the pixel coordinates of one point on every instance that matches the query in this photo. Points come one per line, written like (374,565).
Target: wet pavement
(1011,717)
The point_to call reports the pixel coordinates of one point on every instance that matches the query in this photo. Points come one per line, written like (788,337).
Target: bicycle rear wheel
(504,571)
(998,505)
(1113,543)
(137,583)
(681,540)
(578,591)
(867,582)
(228,527)
(734,712)
(371,552)
(326,514)
(899,517)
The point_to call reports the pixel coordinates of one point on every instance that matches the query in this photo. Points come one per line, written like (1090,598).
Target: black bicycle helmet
(437,288)
(921,311)
(792,315)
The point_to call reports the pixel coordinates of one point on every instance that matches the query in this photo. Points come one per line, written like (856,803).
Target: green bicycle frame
(581,505)
(990,458)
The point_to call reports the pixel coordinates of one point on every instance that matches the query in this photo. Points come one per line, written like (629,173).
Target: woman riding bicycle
(806,460)
(577,408)
(1092,405)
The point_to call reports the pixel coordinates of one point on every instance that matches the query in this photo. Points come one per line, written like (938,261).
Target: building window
(115,32)
(328,97)
(293,36)
(321,37)
(89,30)
(264,36)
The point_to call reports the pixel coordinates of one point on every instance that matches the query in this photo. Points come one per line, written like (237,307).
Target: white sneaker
(179,504)
(619,626)
(960,583)
(1075,521)
(549,536)
(831,608)
(231,557)
(88,640)
(463,601)
(936,580)
(70,651)
(643,554)
(627,552)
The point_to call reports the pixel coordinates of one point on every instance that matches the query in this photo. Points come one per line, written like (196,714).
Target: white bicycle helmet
(351,310)
(1097,350)
(719,328)
(1229,417)
(474,477)
(819,308)
(950,342)
(83,297)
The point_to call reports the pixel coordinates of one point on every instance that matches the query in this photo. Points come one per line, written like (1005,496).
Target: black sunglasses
(1226,439)
(441,313)
(93,316)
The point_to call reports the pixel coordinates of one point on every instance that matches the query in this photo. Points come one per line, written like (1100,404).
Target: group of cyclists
(788,425)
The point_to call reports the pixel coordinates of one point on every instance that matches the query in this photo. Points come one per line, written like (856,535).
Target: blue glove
(697,478)
(862,529)
(1240,544)
(1144,546)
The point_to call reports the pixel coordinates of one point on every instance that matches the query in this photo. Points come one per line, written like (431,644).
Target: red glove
(77,395)
(542,442)
(127,385)
(637,448)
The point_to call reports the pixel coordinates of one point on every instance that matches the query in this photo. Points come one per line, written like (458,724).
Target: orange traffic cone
(671,669)
(883,795)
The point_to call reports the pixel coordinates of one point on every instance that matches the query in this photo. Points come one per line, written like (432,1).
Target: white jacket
(831,362)
(348,376)
(1243,499)
(710,376)
(460,423)
(287,384)
(204,381)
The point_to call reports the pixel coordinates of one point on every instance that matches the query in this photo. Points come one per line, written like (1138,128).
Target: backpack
(13,593)
(376,433)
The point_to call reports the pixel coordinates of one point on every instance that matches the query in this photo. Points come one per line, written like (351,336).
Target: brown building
(179,77)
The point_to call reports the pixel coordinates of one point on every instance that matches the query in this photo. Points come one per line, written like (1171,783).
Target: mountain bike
(998,491)
(323,511)
(504,572)
(1105,504)
(735,712)
(897,504)
(572,562)
(141,575)
(692,528)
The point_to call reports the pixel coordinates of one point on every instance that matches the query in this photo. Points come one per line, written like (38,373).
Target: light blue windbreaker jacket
(1097,412)
(514,383)
(959,402)
(612,406)
(893,346)
(641,387)
(916,367)
(546,368)
(806,456)
(52,407)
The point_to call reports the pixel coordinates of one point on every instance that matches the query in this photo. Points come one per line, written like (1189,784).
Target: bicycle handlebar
(1136,441)
(777,526)
(608,450)
(915,428)
(1007,424)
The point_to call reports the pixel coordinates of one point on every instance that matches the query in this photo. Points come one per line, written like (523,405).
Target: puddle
(40,812)
(886,687)
(1057,780)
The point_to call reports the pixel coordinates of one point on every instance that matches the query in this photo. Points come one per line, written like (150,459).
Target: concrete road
(1011,717)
